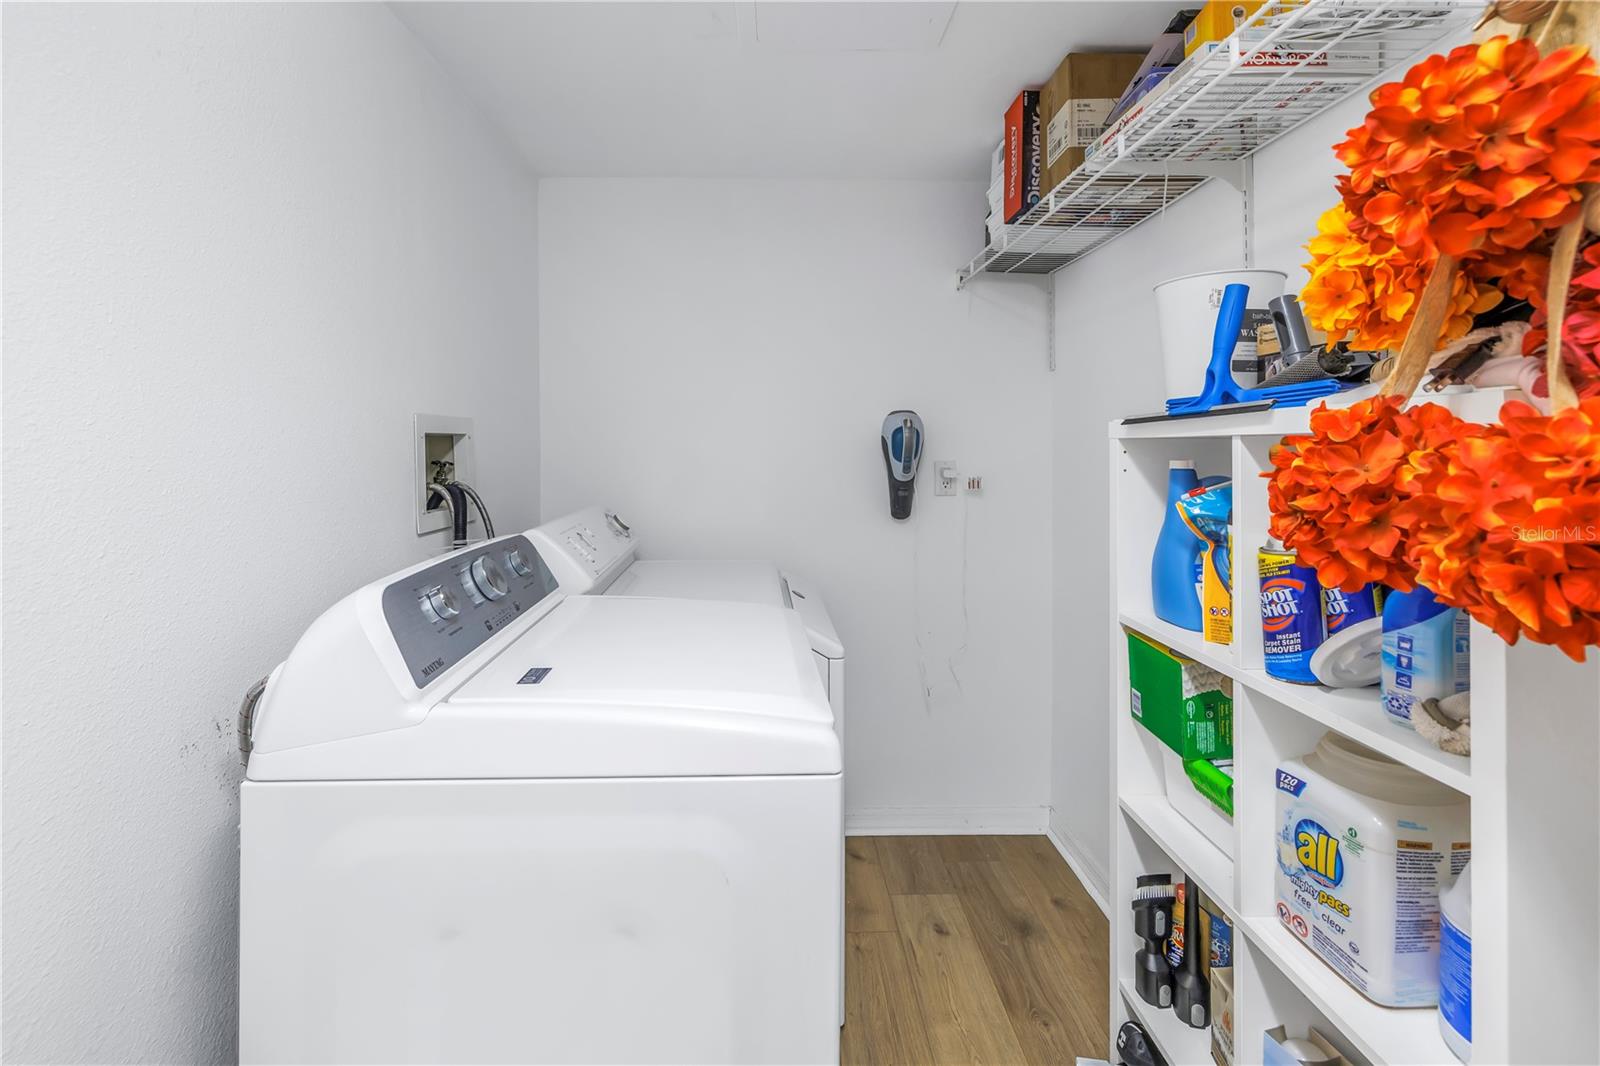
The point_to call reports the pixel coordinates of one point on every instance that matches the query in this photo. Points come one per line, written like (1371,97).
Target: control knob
(518,562)
(440,604)
(488,578)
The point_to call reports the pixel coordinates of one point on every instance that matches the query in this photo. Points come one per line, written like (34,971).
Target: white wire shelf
(1293,60)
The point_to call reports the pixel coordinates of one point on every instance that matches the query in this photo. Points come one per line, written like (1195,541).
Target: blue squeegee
(1221,389)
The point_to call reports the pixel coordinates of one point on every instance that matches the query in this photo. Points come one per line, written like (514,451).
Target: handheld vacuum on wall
(902,447)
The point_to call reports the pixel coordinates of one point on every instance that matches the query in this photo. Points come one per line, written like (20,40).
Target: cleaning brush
(1307,368)
(1301,361)
(1153,896)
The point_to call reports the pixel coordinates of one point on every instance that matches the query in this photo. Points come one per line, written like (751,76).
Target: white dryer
(593,551)
(483,821)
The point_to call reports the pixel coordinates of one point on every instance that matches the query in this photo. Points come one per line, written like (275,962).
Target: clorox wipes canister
(1363,845)
(1425,651)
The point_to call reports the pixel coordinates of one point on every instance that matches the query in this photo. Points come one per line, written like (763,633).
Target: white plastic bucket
(1186,309)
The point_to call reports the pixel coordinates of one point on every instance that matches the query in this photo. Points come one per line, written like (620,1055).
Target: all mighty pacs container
(1363,846)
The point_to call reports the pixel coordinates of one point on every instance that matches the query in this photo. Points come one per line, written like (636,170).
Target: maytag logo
(432,668)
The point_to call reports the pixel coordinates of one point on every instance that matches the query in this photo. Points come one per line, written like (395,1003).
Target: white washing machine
(593,551)
(483,821)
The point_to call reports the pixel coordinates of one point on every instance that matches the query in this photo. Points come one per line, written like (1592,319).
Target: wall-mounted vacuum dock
(902,447)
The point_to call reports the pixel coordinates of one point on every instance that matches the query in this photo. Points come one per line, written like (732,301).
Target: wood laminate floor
(971,950)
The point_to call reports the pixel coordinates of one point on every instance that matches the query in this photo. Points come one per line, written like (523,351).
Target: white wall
(716,359)
(1109,353)
(243,244)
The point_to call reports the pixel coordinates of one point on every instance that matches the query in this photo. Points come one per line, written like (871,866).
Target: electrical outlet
(944,472)
(443,449)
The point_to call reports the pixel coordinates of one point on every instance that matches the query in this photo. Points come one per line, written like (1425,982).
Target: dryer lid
(734,580)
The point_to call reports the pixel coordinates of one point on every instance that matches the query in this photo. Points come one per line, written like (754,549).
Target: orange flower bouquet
(1466,183)
(1506,524)
(1467,166)
(1333,491)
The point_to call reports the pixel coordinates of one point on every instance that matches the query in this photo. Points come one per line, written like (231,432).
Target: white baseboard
(1090,875)
(945,821)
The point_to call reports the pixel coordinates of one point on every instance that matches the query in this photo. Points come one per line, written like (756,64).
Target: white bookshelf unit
(1533,781)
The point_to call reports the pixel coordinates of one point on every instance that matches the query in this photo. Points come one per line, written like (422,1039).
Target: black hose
(458,513)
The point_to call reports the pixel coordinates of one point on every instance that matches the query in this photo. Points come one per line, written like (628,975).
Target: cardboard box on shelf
(1178,700)
(1077,100)
(1108,139)
(1273,1053)
(1217,21)
(1222,1016)
(1349,61)
(1138,90)
(1165,53)
(1024,155)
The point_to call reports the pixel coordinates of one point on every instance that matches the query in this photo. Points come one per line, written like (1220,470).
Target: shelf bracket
(1050,322)
(1247,197)
(1232,171)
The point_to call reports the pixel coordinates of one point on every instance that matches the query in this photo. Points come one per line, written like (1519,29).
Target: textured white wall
(716,359)
(1109,352)
(243,244)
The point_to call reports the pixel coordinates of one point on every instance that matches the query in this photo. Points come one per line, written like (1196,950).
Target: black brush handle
(1191,994)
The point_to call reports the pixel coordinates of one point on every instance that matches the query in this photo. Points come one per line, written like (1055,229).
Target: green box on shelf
(1179,701)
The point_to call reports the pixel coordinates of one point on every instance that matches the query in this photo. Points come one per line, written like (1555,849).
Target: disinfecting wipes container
(1363,846)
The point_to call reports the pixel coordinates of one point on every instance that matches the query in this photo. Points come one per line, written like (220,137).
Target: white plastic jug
(1363,845)
(1186,309)
(1455,965)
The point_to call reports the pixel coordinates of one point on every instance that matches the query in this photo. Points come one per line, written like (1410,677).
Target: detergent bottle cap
(1181,464)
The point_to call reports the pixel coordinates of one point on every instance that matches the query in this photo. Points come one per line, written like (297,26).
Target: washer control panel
(597,549)
(440,614)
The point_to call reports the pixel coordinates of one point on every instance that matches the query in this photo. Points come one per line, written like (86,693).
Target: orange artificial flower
(1505,524)
(1332,493)
(1478,152)
(1367,292)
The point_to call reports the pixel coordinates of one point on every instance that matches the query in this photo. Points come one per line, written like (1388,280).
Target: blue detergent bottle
(1176,562)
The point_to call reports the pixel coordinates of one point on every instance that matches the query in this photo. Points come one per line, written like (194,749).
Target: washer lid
(606,687)
(649,653)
